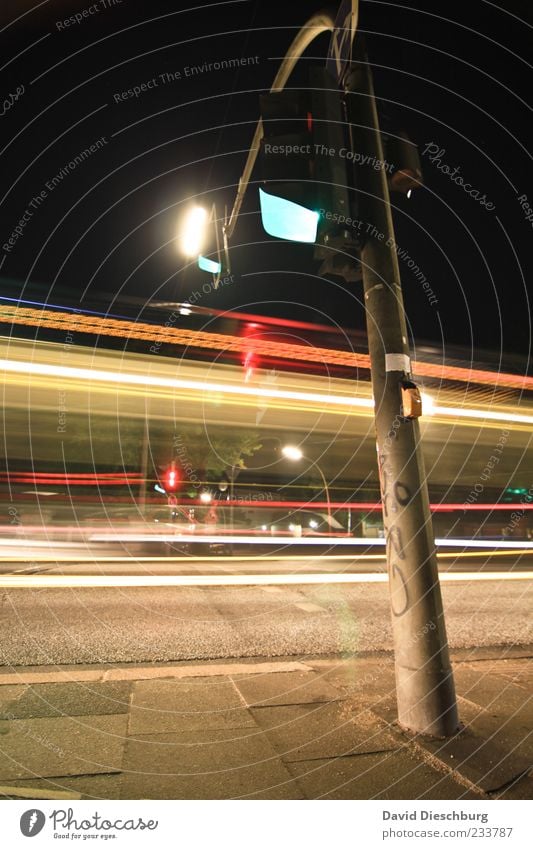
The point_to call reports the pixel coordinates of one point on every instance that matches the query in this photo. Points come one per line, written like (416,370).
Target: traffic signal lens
(209,265)
(284,219)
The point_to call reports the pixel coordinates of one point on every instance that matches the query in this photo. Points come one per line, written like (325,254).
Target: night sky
(454,75)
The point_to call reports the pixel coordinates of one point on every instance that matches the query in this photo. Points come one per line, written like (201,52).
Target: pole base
(426,701)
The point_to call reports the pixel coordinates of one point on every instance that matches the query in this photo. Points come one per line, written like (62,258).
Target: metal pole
(326,489)
(144,468)
(424,679)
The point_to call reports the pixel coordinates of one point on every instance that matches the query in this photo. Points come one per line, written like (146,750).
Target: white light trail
(101,376)
(225,560)
(294,540)
(121,378)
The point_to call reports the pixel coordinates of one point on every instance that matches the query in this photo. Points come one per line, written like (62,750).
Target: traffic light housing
(305,196)
(288,207)
(403,158)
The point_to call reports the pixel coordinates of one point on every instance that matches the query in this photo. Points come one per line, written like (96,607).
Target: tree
(210,454)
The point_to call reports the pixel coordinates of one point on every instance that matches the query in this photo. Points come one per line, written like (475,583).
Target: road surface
(155,624)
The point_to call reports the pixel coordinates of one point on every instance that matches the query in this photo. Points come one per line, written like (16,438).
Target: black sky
(453,74)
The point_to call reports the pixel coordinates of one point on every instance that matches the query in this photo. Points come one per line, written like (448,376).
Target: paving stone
(187,705)
(492,692)
(373,677)
(62,746)
(87,786)
(490,751)
(168,670)
(10,693)
(492,654)
(51,674)
(324,731)
(522,788)
(289,688)
(225,764)
(72,699)
(519,671)
(389,775)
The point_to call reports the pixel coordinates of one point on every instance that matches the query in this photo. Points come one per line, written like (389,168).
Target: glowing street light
(193,233)
(292,452)
(206,497)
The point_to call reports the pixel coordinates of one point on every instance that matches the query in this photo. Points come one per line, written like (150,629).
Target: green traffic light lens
(284,219)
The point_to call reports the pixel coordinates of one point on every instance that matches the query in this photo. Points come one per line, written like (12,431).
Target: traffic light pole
(424,679)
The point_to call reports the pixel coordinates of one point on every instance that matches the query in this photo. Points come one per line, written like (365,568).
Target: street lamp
(294,453)
(193,233)
(193,236)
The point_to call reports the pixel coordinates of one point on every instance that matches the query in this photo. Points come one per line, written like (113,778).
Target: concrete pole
(424,679)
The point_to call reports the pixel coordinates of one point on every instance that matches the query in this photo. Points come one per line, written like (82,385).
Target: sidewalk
(284,729)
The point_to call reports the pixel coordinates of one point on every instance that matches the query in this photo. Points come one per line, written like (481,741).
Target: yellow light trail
(100,376)
(123,328)
(74,581)
(96,376)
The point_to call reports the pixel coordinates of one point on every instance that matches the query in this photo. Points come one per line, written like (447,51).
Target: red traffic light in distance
(172,480)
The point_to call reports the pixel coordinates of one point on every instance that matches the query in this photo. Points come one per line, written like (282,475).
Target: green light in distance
(287,220)
(209,265)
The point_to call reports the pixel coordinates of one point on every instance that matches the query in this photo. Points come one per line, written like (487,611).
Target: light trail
(242,558)
(120,328)
(100,376)
(75,581)
(496,546)
(96,376)
(439,507)
(349,541)
(488,415)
